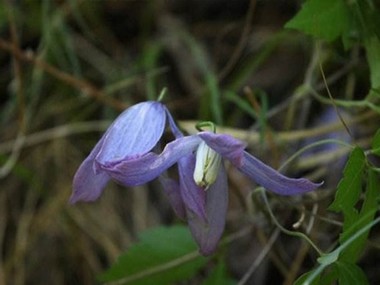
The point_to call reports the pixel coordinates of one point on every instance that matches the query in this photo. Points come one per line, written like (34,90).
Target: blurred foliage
(163,256)
(67,68)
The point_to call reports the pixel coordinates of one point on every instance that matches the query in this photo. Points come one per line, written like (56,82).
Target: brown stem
(80,84)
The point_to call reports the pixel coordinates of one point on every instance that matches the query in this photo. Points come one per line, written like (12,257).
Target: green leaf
(305,279)
(241,103)
(366,215)
(219,276)
(326,19)
(370,203)
(366,18)
(349,187)
(329,276)
(350,274)
(162,256)
(330,259)
(372,46)
(376,143)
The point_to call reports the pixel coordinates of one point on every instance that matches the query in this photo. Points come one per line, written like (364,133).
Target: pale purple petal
(207,235)
(88,186)
(140,170)
(193,196)
(171,189)
(135,132)
(273,180)
(226,145)
(173,126)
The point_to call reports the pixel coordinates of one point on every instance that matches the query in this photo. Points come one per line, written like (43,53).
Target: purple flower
(125,154)
(203,204)
(132,135)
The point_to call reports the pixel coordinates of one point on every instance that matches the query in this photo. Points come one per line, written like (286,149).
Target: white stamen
(207,166)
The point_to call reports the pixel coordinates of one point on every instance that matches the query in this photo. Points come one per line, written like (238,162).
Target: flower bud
(207,166)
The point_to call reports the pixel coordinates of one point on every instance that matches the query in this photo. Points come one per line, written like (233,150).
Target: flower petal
(87,185)
(208,234)
(173,126)
(135,132)
(273,180)
(140,170)
(193,196)
(226,145)
(171,188)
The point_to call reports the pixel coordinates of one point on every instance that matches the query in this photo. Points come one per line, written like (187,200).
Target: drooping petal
(274,181)
(173,126)
(87,185)
(208,234)
(171,189)
(193,196)
(226,145)
(140,170)
(135,132)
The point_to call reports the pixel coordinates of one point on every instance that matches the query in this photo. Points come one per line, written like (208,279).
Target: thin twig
(241,44)
(319,86)
(7,167)
(259,258)
(3,225)
(11,161)
(157,269)
(22,238)
(296,264)
(80,84)
(284,230)
(253,137)
(57,132)
(333,102)
(303,111)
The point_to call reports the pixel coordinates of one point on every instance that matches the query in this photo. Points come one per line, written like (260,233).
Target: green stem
(288,232)
(199,126)
(162,94)
(312,145)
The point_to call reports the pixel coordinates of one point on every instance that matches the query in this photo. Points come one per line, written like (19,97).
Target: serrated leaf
(349,187)
(350,274)
(162,256)
(326,19)
(370,203)
(366,215)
